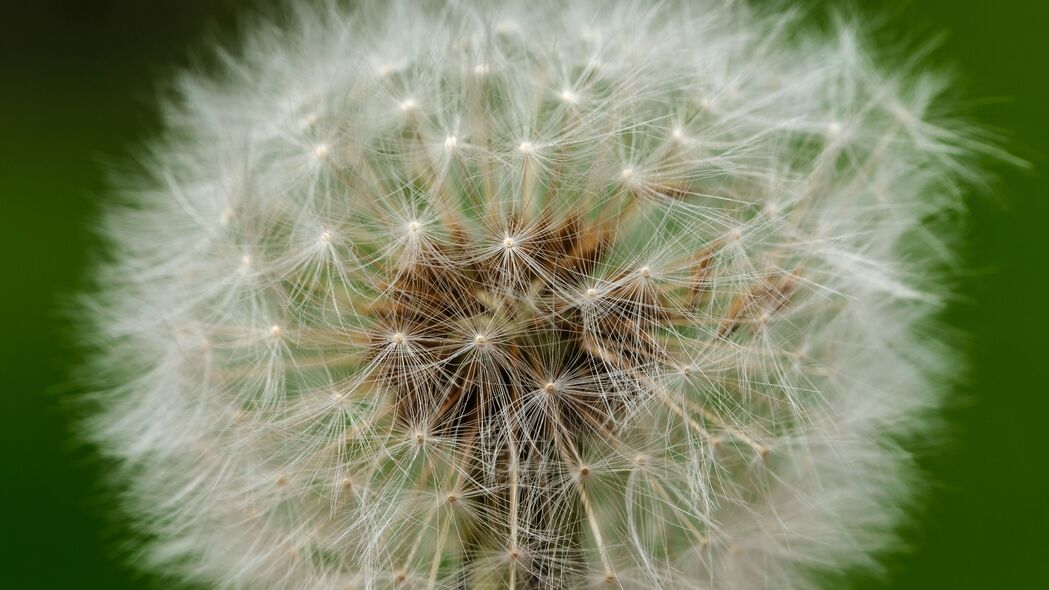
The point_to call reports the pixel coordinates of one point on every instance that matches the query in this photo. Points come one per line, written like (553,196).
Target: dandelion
(616,295)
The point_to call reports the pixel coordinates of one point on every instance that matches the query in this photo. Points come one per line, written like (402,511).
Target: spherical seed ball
(526,296)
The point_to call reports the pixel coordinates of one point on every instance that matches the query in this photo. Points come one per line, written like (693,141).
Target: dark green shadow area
(77,92)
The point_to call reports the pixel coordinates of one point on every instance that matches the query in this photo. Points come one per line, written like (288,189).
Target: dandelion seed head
(666,323)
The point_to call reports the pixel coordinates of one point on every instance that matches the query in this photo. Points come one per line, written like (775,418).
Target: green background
(77,95)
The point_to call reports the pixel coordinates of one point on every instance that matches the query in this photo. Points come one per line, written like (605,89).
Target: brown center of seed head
(487,333)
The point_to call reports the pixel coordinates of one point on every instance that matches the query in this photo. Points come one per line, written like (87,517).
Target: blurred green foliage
(78,88)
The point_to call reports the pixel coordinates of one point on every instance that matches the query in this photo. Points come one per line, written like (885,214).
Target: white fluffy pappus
(520,295)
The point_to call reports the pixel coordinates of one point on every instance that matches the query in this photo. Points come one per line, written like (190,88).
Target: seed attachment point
(568,97)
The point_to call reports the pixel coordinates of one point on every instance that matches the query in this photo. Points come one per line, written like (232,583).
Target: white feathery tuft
(514,295)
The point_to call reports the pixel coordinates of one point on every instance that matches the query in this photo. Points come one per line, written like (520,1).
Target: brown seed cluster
(494,329)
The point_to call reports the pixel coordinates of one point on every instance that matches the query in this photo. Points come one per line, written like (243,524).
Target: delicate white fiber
(527,295)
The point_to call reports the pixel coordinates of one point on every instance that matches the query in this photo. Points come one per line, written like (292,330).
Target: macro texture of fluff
(526,295)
